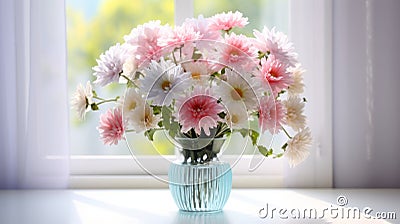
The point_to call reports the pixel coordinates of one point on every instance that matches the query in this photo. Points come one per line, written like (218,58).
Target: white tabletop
(157,206)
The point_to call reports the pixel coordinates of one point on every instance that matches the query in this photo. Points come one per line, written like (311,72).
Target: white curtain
(33,95)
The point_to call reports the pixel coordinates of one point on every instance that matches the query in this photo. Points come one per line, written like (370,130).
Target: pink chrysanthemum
(110,65)
(202,26)
(271,115)
(226,21)
(111,126)
(198,110)
(276,74)
(277,44)
(237,52)
(179,36)
(145,41)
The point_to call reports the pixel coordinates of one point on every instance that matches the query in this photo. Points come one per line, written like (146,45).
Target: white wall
(366,87)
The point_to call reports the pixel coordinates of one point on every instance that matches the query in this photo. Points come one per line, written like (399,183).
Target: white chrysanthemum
(82,98)
(143,119)
(129,67)
(109,66)
(163,82)
(297,86)
(239,88)
(277,44)
(294,112)
(237,116)
(297,149)
(130,102)
(199,71)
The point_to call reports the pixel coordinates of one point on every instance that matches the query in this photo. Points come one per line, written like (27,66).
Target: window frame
(111,171)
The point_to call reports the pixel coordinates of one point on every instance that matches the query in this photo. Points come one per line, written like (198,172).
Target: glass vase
(200,182)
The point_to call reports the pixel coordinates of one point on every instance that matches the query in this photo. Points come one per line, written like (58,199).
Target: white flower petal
(297,149)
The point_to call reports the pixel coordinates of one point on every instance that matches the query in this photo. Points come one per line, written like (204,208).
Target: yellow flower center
(234,119)
(196,75)
(237,94)
(132,105)
(166,85)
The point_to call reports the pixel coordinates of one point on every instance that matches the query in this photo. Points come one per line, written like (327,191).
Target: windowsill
(153,206)
(149,182)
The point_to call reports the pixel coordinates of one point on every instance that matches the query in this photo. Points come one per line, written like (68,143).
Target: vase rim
(202,165)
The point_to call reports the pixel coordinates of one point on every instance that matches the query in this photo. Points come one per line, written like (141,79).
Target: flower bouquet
(202,80)
(199,83)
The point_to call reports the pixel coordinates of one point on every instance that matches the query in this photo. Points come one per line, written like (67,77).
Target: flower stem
(221,132)
(173,57)
(129,80)
(107,101)
(287,134)
(99,98)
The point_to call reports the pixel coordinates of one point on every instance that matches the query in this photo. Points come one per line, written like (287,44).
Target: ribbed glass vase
(200,184)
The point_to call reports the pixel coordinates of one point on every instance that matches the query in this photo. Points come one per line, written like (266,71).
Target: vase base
(202,187)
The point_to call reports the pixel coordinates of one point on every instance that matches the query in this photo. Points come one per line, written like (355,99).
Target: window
(87,23)
(93,26)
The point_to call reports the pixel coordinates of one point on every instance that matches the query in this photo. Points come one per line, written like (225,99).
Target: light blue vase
(199,181)
(201,187)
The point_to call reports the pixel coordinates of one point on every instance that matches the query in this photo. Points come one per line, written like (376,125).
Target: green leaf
(263,150)
(222,115)
(150,134)
(284,146)
(174,128)
(254,136)
(156,109)
(166,116)
(278,155)
(94,106)
(244,132)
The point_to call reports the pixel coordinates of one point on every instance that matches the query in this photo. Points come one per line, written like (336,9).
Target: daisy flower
(82,98)
(297,149)
(297,86)
(239,89)
(237,116)
(111,127)
(143,118)
(109,66)
(226,21)
(198,110)
(199,71)
(271,115)
(236,52)
(275,74)
(130,102)
(277,44)
(162,82)
(294,113)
